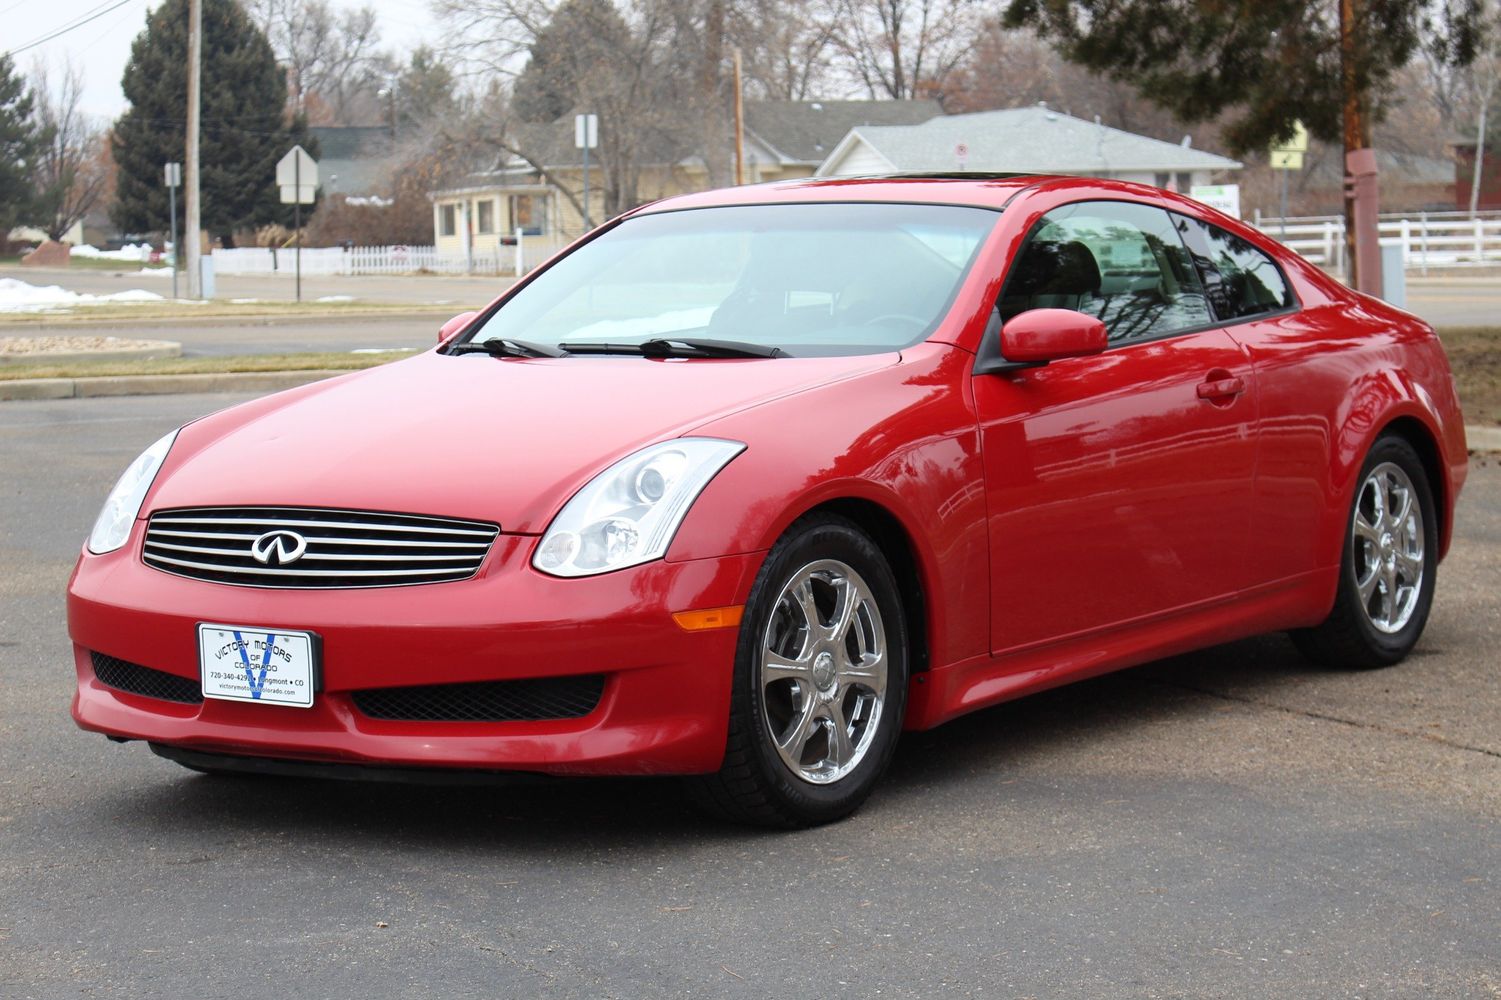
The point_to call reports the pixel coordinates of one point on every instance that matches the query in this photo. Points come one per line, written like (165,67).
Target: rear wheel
(1388,567)
(820,681)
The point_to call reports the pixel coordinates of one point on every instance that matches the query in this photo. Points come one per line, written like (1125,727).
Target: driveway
(1232,823)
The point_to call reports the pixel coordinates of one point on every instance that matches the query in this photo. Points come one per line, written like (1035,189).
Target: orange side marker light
(708,618)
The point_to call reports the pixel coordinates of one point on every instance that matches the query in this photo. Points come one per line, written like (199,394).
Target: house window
(527,214)
(485,212)
(447,224)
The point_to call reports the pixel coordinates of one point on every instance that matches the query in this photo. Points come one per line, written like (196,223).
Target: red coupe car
(747,482)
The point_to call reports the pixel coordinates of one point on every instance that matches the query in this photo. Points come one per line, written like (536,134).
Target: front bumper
(664,707)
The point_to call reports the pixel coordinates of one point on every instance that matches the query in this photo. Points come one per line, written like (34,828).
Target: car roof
(980,190)
(977,189)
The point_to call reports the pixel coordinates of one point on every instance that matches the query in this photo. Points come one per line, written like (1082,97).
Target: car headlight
(124,501)
(628,513)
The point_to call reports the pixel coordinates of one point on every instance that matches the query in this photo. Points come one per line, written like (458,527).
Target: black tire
(755,785)
(1347,638)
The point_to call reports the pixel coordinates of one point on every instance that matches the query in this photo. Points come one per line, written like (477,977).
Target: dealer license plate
(259,665)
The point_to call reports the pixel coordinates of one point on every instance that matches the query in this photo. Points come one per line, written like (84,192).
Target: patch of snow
(334,298)
(20,297)
(137,253)
(243,302)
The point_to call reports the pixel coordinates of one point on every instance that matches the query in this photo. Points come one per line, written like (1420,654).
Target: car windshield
(809,279)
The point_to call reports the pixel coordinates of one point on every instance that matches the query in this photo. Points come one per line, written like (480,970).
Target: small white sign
(304,195)
(297,167)
(1225,197)
(256,665)
(172,174)
(585,131)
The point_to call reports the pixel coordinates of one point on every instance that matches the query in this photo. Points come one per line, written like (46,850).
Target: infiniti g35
(745,483)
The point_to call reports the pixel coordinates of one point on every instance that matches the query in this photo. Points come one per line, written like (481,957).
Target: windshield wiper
(509,347)
(681,347)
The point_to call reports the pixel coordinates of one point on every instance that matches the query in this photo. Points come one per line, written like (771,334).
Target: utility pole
(739,124)
(1362,195)
(191,206)
(173,176)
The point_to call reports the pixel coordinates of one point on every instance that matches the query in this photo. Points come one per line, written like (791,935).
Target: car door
(1256,304)
(1119,485)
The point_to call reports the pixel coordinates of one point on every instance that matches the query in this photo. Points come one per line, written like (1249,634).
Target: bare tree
(904,49)
(583,56)
(330,57)
(788,46)
(71,175)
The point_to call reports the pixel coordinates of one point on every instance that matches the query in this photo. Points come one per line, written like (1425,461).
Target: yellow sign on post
(1288,155)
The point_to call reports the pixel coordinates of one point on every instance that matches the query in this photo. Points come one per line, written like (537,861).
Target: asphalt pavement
(1232,823)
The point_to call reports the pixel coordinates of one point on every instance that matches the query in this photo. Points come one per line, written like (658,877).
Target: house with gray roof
(1021,140)
(793,138)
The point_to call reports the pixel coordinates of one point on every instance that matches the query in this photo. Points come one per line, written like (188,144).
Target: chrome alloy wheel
(823,671)
(1387,545)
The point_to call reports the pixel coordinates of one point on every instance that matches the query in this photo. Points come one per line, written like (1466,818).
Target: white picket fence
(1428,239)
(525,255)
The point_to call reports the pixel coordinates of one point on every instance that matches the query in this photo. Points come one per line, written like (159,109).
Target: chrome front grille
(315,548)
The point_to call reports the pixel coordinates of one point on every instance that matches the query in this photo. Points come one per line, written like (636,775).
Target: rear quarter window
(1240,280)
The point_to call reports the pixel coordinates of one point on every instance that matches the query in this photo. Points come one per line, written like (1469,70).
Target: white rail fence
(1428,239)
(528,252)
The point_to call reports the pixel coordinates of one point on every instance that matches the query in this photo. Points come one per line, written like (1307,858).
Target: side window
(1121,262)
(1242,281)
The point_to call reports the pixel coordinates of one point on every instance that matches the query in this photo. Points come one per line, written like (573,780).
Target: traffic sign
(1288,154)
(297,168)
(585,131)
(172,174)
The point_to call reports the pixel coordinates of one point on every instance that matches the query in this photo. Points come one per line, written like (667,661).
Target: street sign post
(297,175)
(172,174)
(1287,156)
(586,137)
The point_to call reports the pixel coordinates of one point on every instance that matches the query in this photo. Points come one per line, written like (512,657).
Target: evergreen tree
(243,134)
(585,39)
(425,90)
(1266,63)
(18,144)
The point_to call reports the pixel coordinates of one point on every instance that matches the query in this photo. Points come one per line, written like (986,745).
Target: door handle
(1222,388)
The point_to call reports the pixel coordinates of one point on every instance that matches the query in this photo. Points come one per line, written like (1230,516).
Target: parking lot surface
(1233,823)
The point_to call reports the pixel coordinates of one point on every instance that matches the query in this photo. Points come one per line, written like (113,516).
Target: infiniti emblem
(278,548)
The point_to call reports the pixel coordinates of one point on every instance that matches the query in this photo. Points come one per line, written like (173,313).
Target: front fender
(903,438)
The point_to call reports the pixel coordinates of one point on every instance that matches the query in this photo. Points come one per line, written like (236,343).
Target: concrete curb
(160,385)
(155,351)
(1483,438)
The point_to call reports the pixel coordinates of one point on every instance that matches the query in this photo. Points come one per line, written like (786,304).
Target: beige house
(783,140)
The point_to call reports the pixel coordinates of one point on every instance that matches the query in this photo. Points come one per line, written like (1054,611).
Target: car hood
(504,440)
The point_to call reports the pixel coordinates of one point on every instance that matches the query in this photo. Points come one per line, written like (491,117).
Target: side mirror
(1038,336)
(454,325)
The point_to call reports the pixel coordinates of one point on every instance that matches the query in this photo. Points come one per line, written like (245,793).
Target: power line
(76,23)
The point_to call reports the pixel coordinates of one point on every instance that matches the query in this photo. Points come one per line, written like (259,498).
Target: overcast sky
(102,46)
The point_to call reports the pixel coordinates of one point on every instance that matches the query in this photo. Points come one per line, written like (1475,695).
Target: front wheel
(820,681)
(1388,566)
